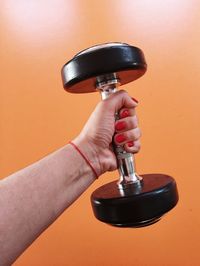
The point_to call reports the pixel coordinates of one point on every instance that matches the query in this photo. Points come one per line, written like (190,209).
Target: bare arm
(31,199)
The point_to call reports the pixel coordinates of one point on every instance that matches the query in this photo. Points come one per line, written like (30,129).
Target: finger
(120,100)
(132,146)
(130,135)
(125,112)
(126,124)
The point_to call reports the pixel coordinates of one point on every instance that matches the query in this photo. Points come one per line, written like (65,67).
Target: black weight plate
(158,194)
(79,74)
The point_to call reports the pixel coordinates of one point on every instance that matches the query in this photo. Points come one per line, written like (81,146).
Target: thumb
(119,100)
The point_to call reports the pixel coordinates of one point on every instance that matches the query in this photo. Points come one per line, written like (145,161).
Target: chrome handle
(107,85)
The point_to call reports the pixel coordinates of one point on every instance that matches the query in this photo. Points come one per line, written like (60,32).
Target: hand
(95,140)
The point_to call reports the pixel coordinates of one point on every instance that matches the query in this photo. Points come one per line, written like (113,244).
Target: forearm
(34,197)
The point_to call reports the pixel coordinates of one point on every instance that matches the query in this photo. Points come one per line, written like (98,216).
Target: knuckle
(134,134)
(139,133)
(137,146)
(123,92)
(132,122)
(132,111)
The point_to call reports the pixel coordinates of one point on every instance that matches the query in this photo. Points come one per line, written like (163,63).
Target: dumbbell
(134,200)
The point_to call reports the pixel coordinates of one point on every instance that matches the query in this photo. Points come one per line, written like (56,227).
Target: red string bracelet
(87,161)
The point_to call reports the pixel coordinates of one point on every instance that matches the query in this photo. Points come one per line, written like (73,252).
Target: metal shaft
(107,85)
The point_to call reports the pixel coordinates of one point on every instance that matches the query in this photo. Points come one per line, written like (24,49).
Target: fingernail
(135,100)
(120,125)
(130,144)
(120,138)
(125,113)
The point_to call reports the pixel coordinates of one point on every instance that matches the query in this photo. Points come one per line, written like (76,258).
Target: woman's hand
(96,137)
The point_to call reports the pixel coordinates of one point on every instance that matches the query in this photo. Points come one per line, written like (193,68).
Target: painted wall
(38,116)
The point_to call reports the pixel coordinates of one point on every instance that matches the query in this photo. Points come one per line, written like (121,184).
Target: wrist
(89,153)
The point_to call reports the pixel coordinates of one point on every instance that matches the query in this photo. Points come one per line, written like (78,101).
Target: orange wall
(38,116)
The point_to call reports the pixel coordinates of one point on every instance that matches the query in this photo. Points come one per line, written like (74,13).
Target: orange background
(38,116)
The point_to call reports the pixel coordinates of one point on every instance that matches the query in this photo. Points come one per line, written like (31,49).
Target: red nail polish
(120,125)
(135,100)
(125,113)
(120,138)
(130,144)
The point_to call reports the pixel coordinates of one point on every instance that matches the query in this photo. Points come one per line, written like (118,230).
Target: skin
(32,198)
